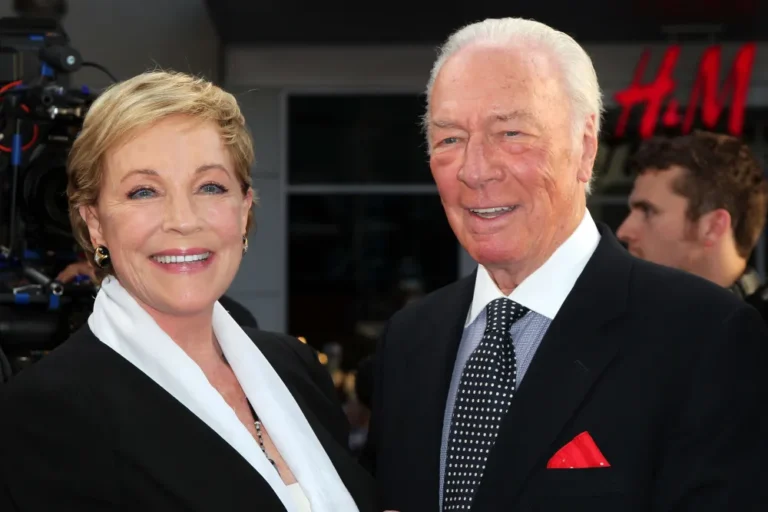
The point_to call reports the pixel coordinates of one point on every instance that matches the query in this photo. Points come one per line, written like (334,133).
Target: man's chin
(495,255)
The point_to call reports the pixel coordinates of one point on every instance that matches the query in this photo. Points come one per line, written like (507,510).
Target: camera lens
(44,197)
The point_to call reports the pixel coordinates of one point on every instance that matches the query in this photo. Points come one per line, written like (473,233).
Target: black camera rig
(40,117)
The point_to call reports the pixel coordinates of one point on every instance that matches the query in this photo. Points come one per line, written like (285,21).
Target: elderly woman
(162,402)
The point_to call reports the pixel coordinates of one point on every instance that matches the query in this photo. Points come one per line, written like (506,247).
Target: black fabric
(747,284)
(5,368)
(663,369)
(759,301)
(364,381)
(85,430)
(239,313)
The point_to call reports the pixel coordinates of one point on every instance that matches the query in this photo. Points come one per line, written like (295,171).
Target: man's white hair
(578,72)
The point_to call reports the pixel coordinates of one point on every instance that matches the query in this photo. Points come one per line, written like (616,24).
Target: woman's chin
(181,302)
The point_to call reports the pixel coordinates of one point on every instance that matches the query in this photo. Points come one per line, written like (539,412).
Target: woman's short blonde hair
(137,104)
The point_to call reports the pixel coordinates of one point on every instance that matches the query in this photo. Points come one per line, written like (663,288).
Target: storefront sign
(707,94)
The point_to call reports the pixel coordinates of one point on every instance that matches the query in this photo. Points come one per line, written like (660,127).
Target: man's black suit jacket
(759,300)
(85,430)
(664,370)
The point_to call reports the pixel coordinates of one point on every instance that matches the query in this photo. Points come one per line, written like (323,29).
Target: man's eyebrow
(501,116)
(442,123)
(512,115)
(642,204)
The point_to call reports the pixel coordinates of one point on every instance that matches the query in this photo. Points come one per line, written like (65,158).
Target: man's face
(657,228)
(510,173)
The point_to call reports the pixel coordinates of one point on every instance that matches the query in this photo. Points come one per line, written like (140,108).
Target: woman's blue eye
(213,188)
(146,192)
(142,193)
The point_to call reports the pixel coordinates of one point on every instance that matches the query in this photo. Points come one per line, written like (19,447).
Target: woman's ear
(91,218)
(248,202)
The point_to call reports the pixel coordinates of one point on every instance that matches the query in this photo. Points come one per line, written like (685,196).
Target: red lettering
(705,92)
(671,117)
(652,94)
(713,101)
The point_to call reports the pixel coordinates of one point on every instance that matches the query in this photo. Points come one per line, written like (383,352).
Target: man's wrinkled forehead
(499,81)
(448,118)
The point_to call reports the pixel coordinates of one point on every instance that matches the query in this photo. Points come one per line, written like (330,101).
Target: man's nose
(478,168)
(626,231)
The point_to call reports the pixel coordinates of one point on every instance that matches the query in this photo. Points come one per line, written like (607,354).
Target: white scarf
(120,323)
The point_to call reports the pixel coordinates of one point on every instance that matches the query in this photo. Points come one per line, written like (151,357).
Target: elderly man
(564,374)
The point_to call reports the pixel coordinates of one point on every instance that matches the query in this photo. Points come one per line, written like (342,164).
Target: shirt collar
(545,290)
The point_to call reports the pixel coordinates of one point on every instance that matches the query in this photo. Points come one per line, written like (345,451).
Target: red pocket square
(580,453)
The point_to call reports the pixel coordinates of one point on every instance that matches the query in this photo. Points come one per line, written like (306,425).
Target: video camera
(40,117)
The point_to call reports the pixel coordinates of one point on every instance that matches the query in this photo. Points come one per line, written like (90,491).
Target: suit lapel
(174,449)
(579,344)
(357,481)
(435,341)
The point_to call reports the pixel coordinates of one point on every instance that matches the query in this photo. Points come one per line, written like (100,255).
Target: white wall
(262,280)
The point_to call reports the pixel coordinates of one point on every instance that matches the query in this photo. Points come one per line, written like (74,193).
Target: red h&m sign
(706,92)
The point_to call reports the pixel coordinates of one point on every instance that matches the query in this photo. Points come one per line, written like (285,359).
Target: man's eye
(511,134)
(449,141)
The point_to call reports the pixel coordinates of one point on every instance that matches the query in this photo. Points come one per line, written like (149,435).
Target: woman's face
(172,214)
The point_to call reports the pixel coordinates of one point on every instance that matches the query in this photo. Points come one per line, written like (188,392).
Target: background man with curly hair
(699,204)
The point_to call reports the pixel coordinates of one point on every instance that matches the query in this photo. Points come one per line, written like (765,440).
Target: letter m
(705,89)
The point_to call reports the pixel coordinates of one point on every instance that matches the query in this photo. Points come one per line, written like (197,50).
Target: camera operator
(73,270)
(699,204)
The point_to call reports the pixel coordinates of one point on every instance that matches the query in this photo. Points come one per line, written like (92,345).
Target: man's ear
(91,218)
(713,226)
(589,150)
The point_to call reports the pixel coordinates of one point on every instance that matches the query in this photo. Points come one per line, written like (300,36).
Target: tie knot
(502,313)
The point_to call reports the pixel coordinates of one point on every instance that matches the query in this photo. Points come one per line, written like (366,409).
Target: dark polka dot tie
(484,395)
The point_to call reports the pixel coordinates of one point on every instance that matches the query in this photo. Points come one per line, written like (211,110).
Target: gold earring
(245,244)
(101,256)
